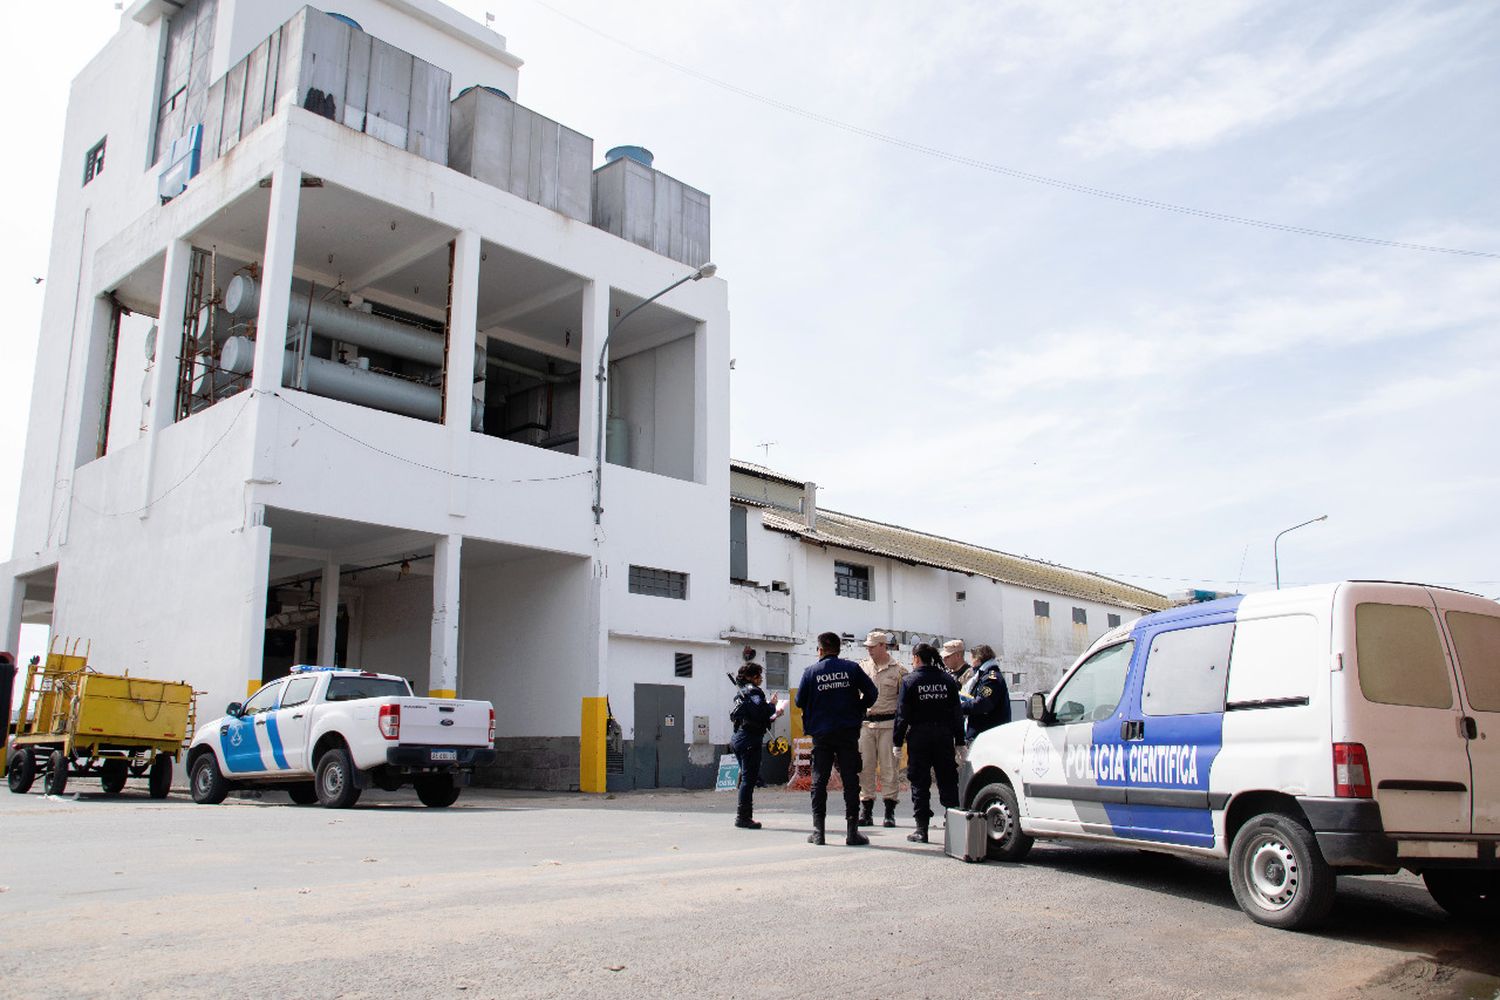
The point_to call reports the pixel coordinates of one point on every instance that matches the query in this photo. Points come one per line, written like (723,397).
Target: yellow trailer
(76,721)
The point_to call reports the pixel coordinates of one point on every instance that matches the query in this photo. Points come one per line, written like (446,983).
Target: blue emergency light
(307,668)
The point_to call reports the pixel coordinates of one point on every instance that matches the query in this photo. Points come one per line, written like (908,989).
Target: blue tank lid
(351,22)
(639,154)
(493,90)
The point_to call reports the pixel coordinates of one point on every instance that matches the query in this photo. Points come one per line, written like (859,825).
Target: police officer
(875,748)
(752,715)
(833,695)
(988,705)
(929,723)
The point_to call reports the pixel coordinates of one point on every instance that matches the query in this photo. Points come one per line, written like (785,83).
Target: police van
(1342,729)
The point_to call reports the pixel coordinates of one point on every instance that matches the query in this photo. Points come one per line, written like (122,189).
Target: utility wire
(1011,172)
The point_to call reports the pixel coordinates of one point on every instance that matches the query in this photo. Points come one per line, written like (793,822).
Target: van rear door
(1400,700)
(1473,625)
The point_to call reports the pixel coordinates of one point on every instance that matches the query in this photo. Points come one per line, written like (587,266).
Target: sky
(943,345)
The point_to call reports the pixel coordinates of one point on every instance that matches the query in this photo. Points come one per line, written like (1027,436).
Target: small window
(93,161)
(683,666)
(853,581)
(261,701)
(1080,616)
(352,688)
(1187,671)
(778,671)
(298,690)
(1400,656)
(1476,640)
(960,596)
(1041,609)
(739,551)
(658,582)
(1093,691)
(1113,620)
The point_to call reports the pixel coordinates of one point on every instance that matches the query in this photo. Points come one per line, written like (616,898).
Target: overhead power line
(1011,172)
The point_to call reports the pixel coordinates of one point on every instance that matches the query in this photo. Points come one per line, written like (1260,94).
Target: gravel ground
(653,894)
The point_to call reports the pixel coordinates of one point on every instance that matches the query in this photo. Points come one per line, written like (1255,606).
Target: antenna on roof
(766,446)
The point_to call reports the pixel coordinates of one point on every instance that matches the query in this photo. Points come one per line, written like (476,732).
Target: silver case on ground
(966,835)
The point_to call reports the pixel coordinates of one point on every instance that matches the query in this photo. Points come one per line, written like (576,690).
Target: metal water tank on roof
(493,139)
(639,203)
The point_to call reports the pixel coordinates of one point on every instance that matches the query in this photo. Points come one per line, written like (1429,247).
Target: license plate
(444,756)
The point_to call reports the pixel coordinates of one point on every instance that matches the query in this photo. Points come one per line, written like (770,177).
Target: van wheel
(56,781)
(113,775)
(21,771)
(207,781)
(335,780)
(1466,895)
(1278,874)
(1002,816)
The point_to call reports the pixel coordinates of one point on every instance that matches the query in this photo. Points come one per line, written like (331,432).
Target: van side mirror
(234,710)
(1037,710)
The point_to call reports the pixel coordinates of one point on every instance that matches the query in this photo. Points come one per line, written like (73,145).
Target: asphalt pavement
(649,894)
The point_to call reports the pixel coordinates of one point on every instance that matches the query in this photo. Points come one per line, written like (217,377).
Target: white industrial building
(315,383)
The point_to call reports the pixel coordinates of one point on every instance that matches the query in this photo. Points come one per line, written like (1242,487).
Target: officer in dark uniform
(751,717)
(930,724)
(989,705)
(833,696)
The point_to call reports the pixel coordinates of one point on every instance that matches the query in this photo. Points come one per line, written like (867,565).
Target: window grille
(658,582)
(853,581)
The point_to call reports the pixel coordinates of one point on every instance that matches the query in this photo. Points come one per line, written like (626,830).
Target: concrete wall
(653,392)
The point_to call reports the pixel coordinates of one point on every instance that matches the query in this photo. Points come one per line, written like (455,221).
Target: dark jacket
(990,706)
(751,712)
(833,695)
(929,698)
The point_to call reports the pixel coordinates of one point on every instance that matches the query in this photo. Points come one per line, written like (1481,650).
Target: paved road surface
(648,895)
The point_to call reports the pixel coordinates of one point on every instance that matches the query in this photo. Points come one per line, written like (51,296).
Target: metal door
(1473,627)
(660,751)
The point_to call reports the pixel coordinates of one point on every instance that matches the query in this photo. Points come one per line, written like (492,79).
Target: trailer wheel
(208,784)
(303,793)
(21,771)
(438,791)
(112,776)
(56,781)
(160,782)
(335,780)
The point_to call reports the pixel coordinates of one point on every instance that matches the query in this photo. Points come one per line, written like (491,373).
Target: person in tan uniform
(877,749)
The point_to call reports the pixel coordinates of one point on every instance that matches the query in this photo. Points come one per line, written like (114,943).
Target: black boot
(919,835)
(745,821)
(816,837)
(855,838)
(867,812)
(890,812)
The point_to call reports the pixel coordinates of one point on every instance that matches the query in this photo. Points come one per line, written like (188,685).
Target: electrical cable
(1021,175)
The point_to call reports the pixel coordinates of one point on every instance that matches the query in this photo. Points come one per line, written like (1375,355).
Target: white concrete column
(257,542)
(276,278)
(594,328)
(442,670)
(458,380)
(167,367)
(12,600)
(328,614)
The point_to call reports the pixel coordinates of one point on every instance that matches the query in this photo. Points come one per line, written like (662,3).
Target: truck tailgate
(444,722)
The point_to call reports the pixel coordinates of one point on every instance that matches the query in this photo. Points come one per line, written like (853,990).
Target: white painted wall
(653,391)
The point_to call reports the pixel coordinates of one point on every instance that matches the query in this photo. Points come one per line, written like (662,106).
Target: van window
(1187,671)
(1401,657)
(1476,639)
(1275,661)
(1093,692)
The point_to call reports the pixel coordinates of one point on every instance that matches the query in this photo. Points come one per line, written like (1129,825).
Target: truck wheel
(112,776)
(1002,816)
(56,781)
(21,771)
(1466,895)
(160,782)
(207,781)
(335,784)
(303,793)
(438,791)
(1278,874)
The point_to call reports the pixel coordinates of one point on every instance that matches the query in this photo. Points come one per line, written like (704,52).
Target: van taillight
(492,727)
(1351,771)
(389,721)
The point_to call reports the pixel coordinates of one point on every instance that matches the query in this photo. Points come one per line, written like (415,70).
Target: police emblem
(986,691)
(236,737)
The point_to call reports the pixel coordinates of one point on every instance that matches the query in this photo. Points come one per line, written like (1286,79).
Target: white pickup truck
(327,734)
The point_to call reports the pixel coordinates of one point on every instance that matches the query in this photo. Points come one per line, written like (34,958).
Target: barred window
(778,670)
(1041,609)
(658,582)
(683,666)
(1080,616)
(1114,620)
(853,581)
(93,161)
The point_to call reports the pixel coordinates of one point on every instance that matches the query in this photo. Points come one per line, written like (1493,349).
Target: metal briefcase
(966,835)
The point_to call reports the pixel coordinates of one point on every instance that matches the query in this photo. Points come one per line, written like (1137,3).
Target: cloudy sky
(944,345)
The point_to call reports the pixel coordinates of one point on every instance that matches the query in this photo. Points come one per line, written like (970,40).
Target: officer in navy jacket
(930,724)
(989,706)
(751,716)
(833,696)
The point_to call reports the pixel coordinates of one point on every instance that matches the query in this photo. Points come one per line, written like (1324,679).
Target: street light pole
(1275,551)
(706,271)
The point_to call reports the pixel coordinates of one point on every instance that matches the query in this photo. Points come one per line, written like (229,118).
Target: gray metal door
(660,756)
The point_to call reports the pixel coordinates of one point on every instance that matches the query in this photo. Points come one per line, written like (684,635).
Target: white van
(1343,729)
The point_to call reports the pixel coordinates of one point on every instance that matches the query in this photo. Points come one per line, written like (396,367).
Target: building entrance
(660,755)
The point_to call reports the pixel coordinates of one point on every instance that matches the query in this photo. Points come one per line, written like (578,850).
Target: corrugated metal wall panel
(234,107)
(324,64)
(427,134)
(389,108)
(256,72)
(357,85)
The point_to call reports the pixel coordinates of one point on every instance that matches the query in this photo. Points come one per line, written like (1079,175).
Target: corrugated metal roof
(860,535)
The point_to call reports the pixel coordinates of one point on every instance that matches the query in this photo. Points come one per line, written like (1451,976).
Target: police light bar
(307,668)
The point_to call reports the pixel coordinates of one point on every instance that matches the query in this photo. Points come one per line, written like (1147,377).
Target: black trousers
(747,749)
(836,749)
(929,754)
